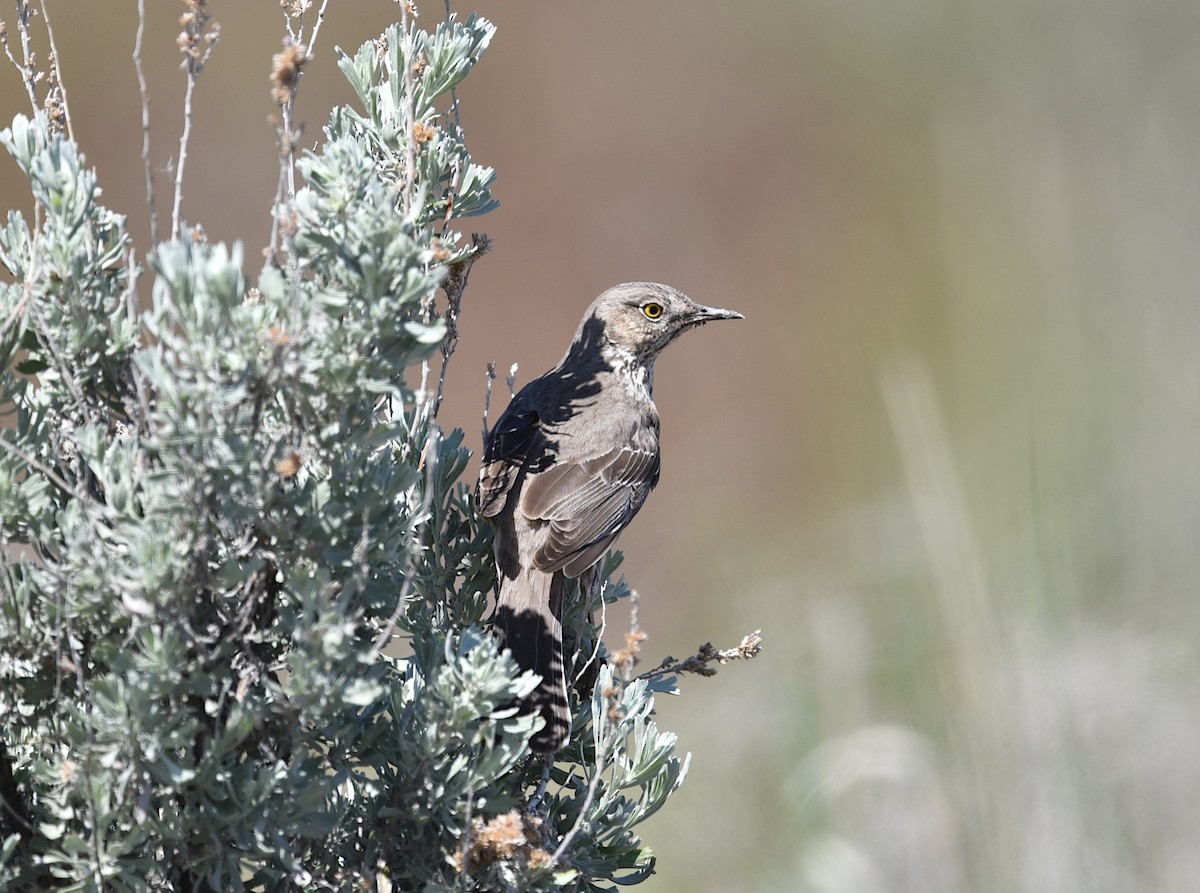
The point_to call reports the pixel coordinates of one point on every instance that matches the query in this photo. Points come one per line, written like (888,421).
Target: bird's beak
(708,314)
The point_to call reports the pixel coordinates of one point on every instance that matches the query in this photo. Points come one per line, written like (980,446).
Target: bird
(565,469)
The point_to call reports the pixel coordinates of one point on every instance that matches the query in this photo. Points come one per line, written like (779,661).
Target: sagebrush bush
(243,590)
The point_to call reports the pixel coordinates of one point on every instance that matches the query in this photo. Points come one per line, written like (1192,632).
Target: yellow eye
(652,310)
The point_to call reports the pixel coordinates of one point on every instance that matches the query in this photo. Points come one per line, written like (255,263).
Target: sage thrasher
(566,468)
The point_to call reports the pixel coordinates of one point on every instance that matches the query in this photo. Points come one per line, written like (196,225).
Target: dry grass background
(948,463)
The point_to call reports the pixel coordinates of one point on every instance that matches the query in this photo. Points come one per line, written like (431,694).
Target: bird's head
(644,317)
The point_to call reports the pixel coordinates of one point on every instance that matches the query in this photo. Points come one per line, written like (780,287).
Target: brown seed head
(286,67)
(278,336)
(288,465)
(423,133)
(511,836)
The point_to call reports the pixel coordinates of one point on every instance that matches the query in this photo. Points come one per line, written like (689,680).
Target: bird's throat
(627,366)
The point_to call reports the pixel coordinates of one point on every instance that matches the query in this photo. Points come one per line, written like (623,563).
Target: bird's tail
(529,614)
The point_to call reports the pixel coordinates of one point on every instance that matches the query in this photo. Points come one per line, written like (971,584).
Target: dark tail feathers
(529,614)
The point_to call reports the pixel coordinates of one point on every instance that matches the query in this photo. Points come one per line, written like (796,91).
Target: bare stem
(306,56)
(487,397)
(144,90)
(289,68)
(453,90)
(45,469)
(455,286)
(25,67)
(597,587)
(17,312)
(276,204)
(608,734)
(57,70)
(183,147)
(701,662)
(17,65)
(463,879)
(608,722)
(312,43)
(410,172)
(285,200)
(197,42)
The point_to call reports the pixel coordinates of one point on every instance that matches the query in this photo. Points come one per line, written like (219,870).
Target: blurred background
(948,463)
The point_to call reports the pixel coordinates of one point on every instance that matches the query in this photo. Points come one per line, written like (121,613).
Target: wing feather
(515,444)
(588,503)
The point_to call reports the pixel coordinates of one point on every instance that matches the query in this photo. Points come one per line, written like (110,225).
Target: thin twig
(19,309)
(699,663)
(453,90)
(28,77)
(312,43)
(57,70)
(182,162)
(287,184)
(487,397)
(286,8)
(45,469)
(286,75)
(609,724)
(281,129)
(291,159)
(135,404)
(17,65)
(599,638)
(410,171)
(455,286)
(608,735)
(456,177)
(131,302)
(280,191)
(144,90)
(195,31)
(463,879)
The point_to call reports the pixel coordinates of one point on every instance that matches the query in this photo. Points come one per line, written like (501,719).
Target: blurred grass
(984,667)
(948,463)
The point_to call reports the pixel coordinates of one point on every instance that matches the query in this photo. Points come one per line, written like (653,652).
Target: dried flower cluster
(199,35)
(295,8)
(514,837)
(286,68)
(701,662)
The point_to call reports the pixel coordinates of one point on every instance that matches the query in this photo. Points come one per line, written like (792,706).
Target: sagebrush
(243,589)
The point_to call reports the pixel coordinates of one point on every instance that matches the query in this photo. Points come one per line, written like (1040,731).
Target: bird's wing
(514,445)
(587,503)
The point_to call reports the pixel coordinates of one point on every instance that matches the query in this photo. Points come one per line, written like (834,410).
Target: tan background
(948,463)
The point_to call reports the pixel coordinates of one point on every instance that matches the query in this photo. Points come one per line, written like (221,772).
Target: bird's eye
(653,310)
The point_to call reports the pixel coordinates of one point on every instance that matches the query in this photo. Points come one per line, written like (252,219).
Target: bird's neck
(635,371)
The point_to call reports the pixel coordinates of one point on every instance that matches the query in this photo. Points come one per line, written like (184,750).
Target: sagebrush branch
(701,662)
